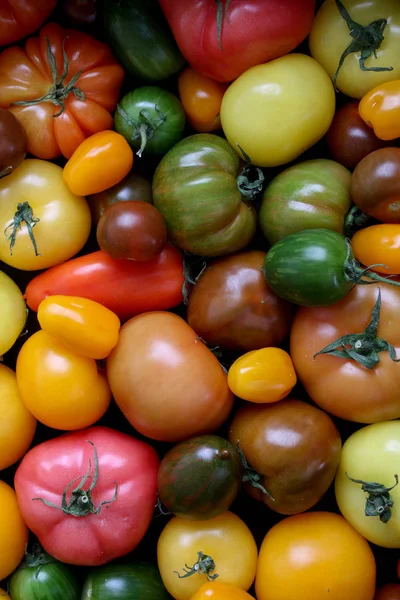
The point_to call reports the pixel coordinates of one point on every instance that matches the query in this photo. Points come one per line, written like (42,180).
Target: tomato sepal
(379,502)
(204,565)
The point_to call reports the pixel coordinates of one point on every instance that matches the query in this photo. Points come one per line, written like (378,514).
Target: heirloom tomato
(379,245)
(110,508)
(380,109)
(13,142)
(201,98)
(19,18)
(13,313)
(221,591)
(13,531)
(62,87)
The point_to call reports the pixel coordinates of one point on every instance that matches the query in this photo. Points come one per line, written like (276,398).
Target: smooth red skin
(13,140)
(126,287)
(93,540)
(349,138)
(390,591)
(19,18)
(259,31)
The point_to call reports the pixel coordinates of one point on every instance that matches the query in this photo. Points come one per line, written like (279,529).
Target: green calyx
(354,221)
(251,180)
(222,12)
(24,214)
(60,90)
(367,39)
(144,126)
(205,565)
(37,557)
(80,503)
(364,347)
(358,275)
(250,475)
(379,502)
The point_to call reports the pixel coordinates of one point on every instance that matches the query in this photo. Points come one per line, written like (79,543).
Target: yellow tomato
(313,556)
(265,375)
(44,223)
(221,591)
(188,550)
(86,327)
(61,389)
(4,595)
(380,245)
(13,532)
(275,111)
(13,312)
(17,425)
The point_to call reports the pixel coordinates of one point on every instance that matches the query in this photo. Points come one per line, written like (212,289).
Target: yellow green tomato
(274,112)
(366,486)
(13,312)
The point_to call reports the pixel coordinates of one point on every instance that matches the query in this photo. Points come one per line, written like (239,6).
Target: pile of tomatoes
(199,299)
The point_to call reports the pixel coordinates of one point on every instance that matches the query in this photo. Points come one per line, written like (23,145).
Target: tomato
(151,119)
(232,306)
(190,553)
(220,591)
(99,162)
(167,383)
(200,478)
(84,326)
(13,142)
(361,383)
(60,98)
(380,109)
(81,12)
(109,510)
(123,286)
(276,111)
(375,185)
(4,595)
(390,591)
(17,426)
(201,98)
(379,244)
(196,189)
(349,138)
(42,223)
(357,43)
(222,40)
(13,311)
(265,375)
(13,531)
(311,194)
(313,556)
(292,450)
(20,18)
(61,389)
(134,230)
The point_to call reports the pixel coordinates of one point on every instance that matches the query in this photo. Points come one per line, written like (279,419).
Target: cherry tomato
(379,244)
(13,313)
(13,142)
(84,326)
(98,163)
(265,375)
(380,109)
(390,591)
(134,230)
(60,388)
(201,98)
(221,591)
(13,531)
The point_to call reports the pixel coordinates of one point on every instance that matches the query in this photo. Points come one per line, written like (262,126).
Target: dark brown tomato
(231,305)
(349,138)
(13,142)
(133,230)
(81,12)
(132,187)
(375,185)
(390,591)
(294,447)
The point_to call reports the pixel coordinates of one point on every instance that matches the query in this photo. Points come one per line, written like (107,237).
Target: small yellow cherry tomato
(380,109)
(61,389)
(262,376)
(17,425)
(13,532)
(379,244)
(86,327)
(13,312)
(99,162)
(221,591)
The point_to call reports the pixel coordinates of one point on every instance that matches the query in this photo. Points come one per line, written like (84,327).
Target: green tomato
(314,194)
(150,119)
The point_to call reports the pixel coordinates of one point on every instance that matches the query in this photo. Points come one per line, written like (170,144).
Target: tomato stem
(24,214)
(222,11)
(37,557)
(251,180)
(379,502)
(204,566)
(144,126)
(251,475)
(354,221)
(356,274)
(6,171)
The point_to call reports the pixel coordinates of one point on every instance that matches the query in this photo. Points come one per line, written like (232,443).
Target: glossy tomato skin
(167,383)
(232,306)
(13,531)
(252,32)
(312,194)
(294,447)
(313,556)
(81,12)
(85,114)
(375,185)
(366,396)
(200,478)
(201,99)
(125,287)
(379,245)
(389,591)
(13,142)
(22,17)
(221,591)
(13,310)
(94,539)
(380,109)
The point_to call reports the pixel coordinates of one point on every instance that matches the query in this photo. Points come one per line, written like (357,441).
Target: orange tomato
(201,99)
(221,591)
(380,109)
(4,595)
(312,556)
(86,327)
(379,244)
(13,532)
(261,376)
(98,163)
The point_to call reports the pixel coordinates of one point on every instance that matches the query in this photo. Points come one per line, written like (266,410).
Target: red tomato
(126,287)
(390,591)
(222,40)
(77,106)
(19,18)
(106,511)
